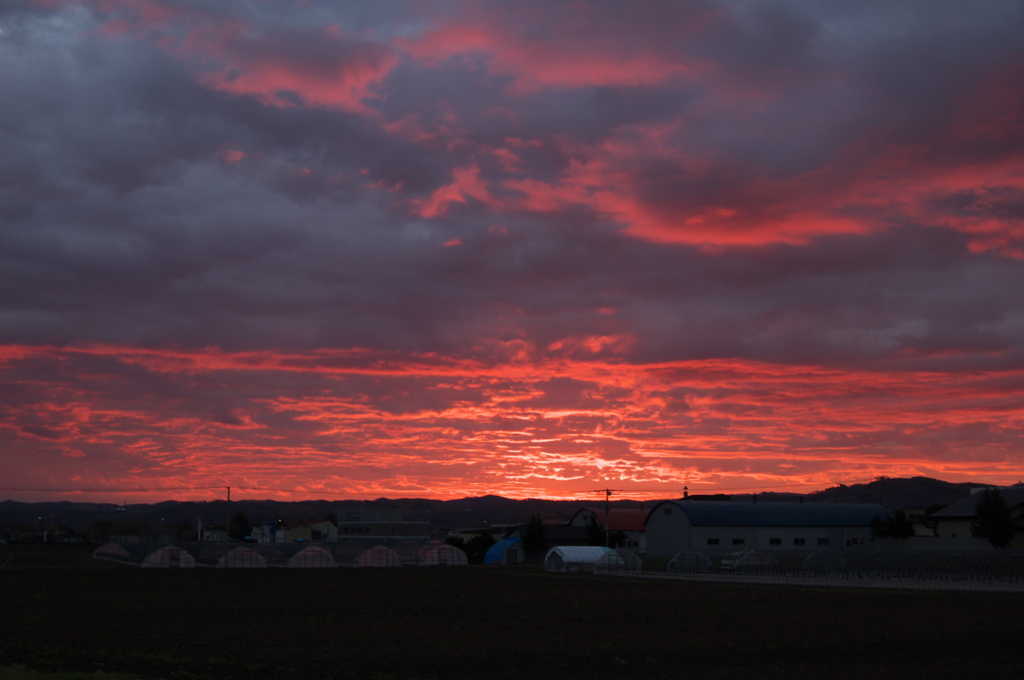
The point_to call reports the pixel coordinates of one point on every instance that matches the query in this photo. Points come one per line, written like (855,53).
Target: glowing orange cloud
(352,423)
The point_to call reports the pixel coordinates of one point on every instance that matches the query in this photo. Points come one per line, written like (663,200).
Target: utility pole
(607,513)
(607,518)
(227,513)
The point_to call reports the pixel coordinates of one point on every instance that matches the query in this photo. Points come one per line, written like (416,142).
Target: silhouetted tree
(239,526)
(456,541)
(536,536)
(477,547)
(897,526)
(594,533)
(131,528)
(993,519)
(183,530)
(101,530)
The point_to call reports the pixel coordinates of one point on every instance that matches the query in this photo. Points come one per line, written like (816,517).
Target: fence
(995,570)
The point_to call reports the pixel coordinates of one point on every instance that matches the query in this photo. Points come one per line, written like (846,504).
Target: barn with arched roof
(725,526)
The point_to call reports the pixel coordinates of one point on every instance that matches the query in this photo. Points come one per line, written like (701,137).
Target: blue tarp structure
(496,553)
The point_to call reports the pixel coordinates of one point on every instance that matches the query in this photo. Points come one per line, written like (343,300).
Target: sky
(313,249)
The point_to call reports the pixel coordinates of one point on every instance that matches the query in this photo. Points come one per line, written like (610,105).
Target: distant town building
(388,529)
(323,530)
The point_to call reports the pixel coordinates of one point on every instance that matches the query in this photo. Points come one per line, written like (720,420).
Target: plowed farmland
(486,622)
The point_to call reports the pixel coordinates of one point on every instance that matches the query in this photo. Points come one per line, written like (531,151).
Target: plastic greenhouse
(618,561)
(689,562)
(145,555)
(441,555)
(408,551)
(235,557)
(378,556)
(573,558)
(311,557)
(169,557)
(749,562)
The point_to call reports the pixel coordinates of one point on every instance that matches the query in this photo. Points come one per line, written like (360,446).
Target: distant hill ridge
(892,492)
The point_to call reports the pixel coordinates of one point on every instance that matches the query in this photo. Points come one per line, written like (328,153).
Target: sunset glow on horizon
(329,250)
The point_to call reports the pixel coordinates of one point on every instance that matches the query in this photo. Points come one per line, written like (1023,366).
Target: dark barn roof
(732,513)
(620,519)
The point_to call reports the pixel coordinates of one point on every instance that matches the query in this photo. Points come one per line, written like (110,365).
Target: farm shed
(378,556)
(716,527)
(437,554)
(503,551)
(573,558)
(618,561)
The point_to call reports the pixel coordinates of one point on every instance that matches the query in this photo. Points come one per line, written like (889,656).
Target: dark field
(483,622)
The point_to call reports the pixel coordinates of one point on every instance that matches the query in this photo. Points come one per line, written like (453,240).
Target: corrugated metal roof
(734,513)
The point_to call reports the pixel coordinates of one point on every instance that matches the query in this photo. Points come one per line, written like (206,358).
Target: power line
(130,490)
(115,489)
(710,487)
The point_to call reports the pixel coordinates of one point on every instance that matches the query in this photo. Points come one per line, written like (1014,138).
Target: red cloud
(320,68)
(608,180)
(231,156)
(466,184)
(328,422)
(280,67)
(536,64)
(542,46)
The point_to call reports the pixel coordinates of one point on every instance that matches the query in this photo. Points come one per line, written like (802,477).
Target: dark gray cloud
(793,183)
